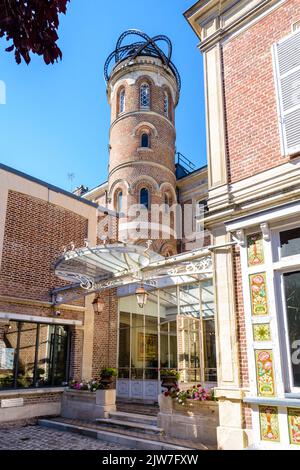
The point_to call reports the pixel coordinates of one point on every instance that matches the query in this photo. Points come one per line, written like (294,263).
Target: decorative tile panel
(269,425)
(262,332)
(258,292)
(265,373)
(294,425)
(255,250)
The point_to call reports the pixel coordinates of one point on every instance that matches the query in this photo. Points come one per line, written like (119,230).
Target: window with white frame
(122,101)
(145,96)
(166,104)
(287,269)
(287,68)
(119,201)
(291,283)
(201,209)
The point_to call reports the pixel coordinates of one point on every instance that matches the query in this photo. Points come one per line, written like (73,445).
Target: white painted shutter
(287,61)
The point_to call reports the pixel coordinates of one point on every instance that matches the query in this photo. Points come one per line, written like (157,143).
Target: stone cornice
(141,162)
(215,20)
(142,64)
(251,205)
(38,303)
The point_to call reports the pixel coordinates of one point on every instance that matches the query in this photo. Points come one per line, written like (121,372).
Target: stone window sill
(284,402)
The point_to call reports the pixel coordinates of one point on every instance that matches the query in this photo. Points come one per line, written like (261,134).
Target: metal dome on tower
(145,47)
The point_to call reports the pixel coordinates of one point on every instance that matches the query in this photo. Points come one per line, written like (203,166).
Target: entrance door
(138,350)
(174,330)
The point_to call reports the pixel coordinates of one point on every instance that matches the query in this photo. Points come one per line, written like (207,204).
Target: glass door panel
(292,302)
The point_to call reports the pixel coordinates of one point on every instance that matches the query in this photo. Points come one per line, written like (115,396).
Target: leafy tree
(32,26)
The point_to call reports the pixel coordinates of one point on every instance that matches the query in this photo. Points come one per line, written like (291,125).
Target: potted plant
(169,378)
(191,415)
(107,375)
(89,399)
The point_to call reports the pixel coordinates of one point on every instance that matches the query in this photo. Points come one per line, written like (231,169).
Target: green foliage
(109,372)
(89,386)
(196,393)
(170,373)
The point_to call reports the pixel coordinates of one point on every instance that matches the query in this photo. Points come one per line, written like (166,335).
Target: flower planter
(107,382)
(168,382)
(79,404)
(195,421)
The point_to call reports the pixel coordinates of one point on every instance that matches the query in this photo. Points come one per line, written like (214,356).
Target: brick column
(76,354)
(106,334)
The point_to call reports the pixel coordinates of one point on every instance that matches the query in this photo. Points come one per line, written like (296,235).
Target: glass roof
(104,262)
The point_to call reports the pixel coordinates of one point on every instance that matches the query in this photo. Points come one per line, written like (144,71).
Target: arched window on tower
(145,96)
(145,140)
(144,197)
(167,203)
(119,201)
(166,104)
(121,101)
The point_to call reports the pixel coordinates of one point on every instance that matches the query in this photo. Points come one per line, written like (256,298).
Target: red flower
(166,394)
(199,385)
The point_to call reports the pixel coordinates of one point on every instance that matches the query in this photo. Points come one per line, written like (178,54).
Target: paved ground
(40,438)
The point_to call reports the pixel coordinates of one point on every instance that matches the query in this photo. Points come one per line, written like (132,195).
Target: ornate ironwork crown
(145,47)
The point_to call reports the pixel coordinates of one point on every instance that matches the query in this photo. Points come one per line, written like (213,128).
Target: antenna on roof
(71,177)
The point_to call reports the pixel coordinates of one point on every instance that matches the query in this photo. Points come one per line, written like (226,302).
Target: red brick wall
(125,148)
(250,94)
(239,305)
(76,353)
(106,334)
(241,332)
(35,234)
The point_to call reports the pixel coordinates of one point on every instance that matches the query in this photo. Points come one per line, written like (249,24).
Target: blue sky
(56,119)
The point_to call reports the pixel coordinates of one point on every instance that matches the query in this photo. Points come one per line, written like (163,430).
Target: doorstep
(127,438)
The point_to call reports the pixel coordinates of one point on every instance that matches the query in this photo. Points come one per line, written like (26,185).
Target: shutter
(287,64)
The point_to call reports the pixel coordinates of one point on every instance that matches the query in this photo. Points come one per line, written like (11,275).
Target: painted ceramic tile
(262,332)
(294,425)
(255,249)
(269,426)
(265,373)
(258,290)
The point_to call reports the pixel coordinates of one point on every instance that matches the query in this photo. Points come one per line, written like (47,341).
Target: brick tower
(143,87)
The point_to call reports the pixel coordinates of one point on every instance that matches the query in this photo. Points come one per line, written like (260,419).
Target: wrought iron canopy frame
(147,47)
(92,270)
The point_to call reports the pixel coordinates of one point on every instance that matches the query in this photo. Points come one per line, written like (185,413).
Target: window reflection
(183,337)
(290,242)
(33,355)
(292,299)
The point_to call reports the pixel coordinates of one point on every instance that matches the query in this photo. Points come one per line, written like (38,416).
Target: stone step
(134,426)
(133,417)
(133,442)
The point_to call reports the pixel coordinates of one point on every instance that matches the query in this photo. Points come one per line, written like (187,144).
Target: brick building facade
(45,343)
(251,53)
(235,317)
